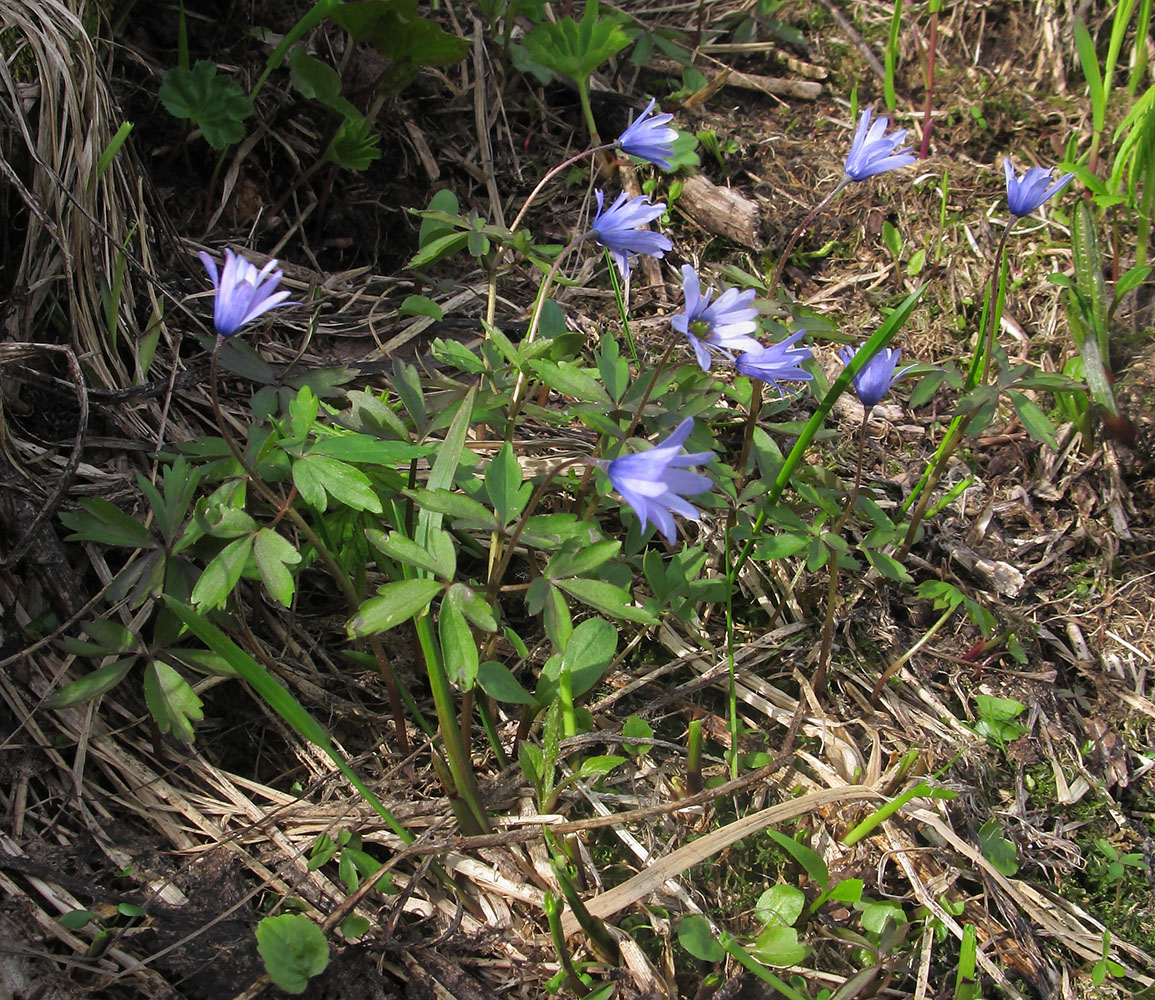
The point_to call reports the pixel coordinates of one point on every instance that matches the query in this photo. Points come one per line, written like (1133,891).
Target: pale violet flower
(616,228)
(242,292)
(654,482)
(649,138)
(781,362)
(1026,193)
(876,377)
(724,323)
(874,152)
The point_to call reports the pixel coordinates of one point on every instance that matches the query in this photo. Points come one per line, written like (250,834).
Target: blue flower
(1026,193)
(649,139)
(616,228)
(777,363)
(242,292)
(874,153)
(725,323)
(875,378)
(652,482)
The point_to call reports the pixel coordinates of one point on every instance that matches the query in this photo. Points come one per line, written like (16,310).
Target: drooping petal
(654,482)
(649,139)
(873,152)
(616,228)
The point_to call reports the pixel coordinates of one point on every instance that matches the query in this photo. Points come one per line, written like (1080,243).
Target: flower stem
(499,570)
(534,322)
(980,368)
(352,600)
(802,227)
(819,679)
(553,173)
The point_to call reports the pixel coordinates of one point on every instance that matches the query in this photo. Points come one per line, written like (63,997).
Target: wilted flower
(1026,193)
(242,292)
(875,378)
(649,138)
(725,323)
(616,228)
(781,362)
(652,482)
(872,152)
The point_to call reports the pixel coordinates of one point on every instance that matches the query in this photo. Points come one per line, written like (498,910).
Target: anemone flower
(724,323)
(873,152)
(649,138)
(781,362)
(242,292)
(653,482)
(616,228)
(1026,193)
(875,378)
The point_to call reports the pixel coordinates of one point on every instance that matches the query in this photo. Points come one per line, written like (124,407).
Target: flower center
(700,328)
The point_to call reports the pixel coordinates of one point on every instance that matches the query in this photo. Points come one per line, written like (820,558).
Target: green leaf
(998,709)
(497,681)
(91,685)
(369,449)
(215,103)
(313,78)
(999,851)
(354,926)
(599,766)
(778,946)
(574,49)
(876,915)
(76,920)
(316,475)
(807,857)
(695,935)
(1090,284)
(608,599)
(220,576)
(294,950)
(445,202)
(503,485)
(303,410)
(438,249)
(1089,61)
(456,505)
(635,727)
(1037,423)
(476,607)
(781,905)
(396,603)
(887,566)
(421,305)
(354,147)
(107,524)
(110,636)
(578,559)
(570,380)
(396,546)
(588,653)
(273,554)
(781,545)
(445,465)
(457,643)
(173,703)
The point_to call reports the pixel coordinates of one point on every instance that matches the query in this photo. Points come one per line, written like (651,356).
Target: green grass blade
(280,701)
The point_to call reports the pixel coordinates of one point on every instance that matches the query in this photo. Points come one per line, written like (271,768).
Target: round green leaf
(294,950)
